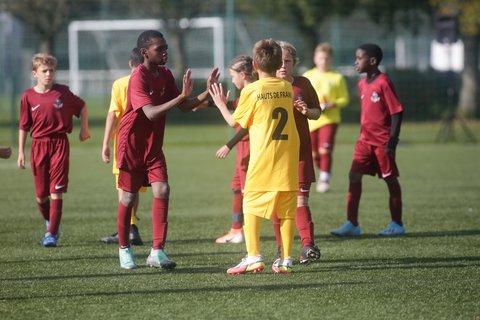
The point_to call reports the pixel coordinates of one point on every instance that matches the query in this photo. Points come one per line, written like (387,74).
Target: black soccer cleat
(310,253)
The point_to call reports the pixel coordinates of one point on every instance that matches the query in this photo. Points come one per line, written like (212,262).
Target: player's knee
(324,151)
(128,198)
(302,201)
(354,177)
(390,179)
(161,190)
(41,200)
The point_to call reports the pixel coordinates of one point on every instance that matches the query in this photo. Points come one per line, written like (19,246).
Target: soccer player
(381,118)
(307,106)
(242,73)
(5,152)
(332,91)
(118,103)
(151,93)
(265,109)
(46,110)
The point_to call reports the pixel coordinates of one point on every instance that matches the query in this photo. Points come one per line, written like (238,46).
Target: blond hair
(325,47)
(43,59)
(290,49)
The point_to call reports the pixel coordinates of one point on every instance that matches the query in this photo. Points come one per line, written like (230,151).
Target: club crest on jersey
(58,103)
(375,97)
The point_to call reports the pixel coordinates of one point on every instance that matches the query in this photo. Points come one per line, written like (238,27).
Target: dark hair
(244,64)
(267,55)
(136,57)
(372,51)
(145,38)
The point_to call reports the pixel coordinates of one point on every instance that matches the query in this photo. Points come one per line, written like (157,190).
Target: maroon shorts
(49,160)
(372,160)
(131,181)
(324,137)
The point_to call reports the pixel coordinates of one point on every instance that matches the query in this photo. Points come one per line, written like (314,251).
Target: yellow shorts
(142,189)
(265,204)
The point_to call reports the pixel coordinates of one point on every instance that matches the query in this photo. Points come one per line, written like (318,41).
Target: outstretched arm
(220,100)
(191,104)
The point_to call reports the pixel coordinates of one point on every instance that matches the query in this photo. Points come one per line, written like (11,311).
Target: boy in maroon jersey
(152,92)
(381,118)
(46,110)
(306,106)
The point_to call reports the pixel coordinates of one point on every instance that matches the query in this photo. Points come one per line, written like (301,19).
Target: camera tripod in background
(447,129)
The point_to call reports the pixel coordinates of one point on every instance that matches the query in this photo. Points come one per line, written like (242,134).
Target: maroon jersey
(49,113)
(303,90)
(379,101)
(140,140)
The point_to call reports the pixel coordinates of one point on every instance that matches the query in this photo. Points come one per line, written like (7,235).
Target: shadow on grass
(426,234)
(114,257)
(232,288)
(336,265)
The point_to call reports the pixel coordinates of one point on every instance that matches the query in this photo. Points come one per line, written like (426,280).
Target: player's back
(265,108)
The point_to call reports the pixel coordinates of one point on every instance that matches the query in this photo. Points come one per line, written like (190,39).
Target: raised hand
(213,78)
(187,82)
(216,92)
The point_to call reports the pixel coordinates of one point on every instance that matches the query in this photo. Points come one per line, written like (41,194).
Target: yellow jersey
(265,108)
(330,87)
(118,103)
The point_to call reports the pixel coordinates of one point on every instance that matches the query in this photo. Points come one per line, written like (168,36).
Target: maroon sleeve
(310,96)
(25,122)
(393,104)
(74,102)
(138,90)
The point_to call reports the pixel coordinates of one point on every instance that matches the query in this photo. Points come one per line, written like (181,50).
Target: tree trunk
(46,44)
(177,49)
(310,39)
(467,104)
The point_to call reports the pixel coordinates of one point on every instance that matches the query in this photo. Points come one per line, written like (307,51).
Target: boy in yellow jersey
(332,92)
(265,109)
(118,104)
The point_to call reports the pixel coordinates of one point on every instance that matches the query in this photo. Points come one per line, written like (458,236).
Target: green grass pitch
(433,272)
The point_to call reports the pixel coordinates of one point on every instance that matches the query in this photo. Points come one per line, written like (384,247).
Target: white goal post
(77,75)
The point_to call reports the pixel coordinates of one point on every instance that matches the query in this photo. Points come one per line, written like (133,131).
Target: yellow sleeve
(342,97)
(244,112)
(118,99)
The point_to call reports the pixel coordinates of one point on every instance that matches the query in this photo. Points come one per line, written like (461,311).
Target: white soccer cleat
(232,236)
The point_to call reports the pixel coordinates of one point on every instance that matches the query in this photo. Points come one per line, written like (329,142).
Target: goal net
(99,50)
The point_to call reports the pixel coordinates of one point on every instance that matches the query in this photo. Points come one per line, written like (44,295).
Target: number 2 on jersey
(282,116)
